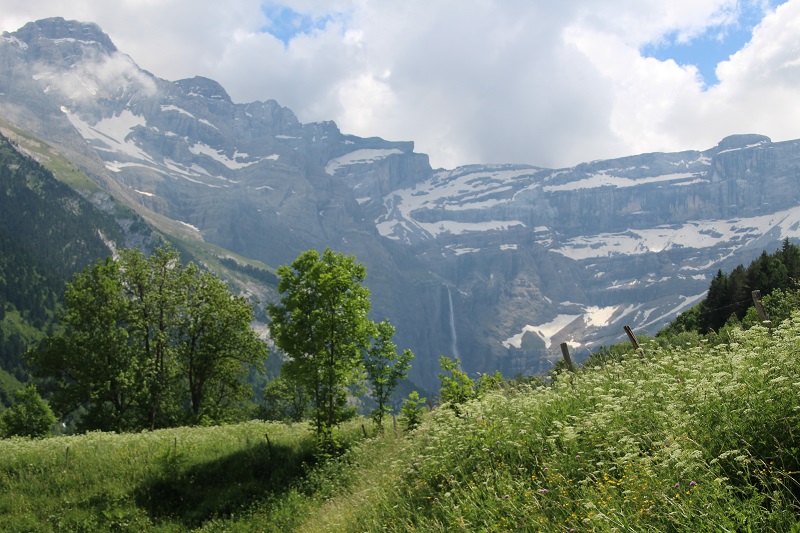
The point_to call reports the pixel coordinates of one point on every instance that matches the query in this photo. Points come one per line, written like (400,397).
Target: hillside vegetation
(698,438)
(729,295)
(166,480)
(47,233)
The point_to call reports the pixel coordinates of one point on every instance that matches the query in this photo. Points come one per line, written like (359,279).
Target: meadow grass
(689,439)
(168,480)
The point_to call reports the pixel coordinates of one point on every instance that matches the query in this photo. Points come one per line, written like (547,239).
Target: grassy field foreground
(703,438)
(166,480)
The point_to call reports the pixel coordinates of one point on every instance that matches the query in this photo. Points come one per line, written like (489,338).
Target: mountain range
(493,264)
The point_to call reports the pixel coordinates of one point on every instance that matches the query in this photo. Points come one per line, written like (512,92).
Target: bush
(30,416)
(412,410)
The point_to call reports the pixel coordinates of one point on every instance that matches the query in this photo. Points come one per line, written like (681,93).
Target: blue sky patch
(286,23)
(717,44)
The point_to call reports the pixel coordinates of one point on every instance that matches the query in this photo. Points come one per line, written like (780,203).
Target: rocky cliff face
(495,264)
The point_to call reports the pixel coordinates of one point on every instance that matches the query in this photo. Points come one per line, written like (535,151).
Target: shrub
(30,416)
(412,410)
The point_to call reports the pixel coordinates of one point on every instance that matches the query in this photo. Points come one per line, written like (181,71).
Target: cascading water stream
(453,336)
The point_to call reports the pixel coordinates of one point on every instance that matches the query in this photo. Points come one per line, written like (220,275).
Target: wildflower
(505,497)
(677,485)
(436,499)
(692,483)
(542,490)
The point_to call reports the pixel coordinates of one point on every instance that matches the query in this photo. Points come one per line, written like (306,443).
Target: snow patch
(694,234)
(112,133)
(195,228)
(604,180)
(544,331)
(357,158)
(199,148)
(13,40)
(176,109)
(461,251)
(598,316)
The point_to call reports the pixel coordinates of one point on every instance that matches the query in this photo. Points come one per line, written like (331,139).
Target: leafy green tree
(94,361)
(456,388)
(284,400)
(148,343)
(321,324)
(151,287)
(385,368)
(215,344)
(30,416)
(412,410)
(781,304)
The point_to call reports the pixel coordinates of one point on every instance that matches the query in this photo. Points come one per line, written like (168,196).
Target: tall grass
(167,480)
(690,439)
(693,438)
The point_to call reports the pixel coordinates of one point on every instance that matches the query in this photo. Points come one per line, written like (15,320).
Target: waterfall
(453,336)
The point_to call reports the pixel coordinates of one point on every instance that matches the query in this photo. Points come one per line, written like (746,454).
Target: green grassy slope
(688,439)
(167,480)
(703,438)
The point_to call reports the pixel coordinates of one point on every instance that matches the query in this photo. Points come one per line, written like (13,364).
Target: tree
(456,388)
(151,291)
(385,368)
(30,416)
(412,410)
(321,324)
(215,344)
(284,401)
(93,361)
(148,343)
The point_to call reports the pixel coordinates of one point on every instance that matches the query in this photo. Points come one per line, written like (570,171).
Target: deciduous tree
(148,343)
(321,324)
(30,416)
(385,368)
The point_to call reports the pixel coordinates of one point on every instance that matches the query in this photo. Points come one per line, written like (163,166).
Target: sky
(546,83)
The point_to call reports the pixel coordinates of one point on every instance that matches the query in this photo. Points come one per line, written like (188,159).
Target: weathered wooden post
(762,313)
(567,358)
(634,341)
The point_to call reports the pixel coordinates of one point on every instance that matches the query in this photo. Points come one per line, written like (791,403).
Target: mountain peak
(205,87)
(57,28)
(742,141)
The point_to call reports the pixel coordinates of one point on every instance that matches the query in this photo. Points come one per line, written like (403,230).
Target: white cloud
(547,83)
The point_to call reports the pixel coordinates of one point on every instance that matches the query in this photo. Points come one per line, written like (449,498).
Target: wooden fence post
(634,341)
(762,313)
(567,358)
